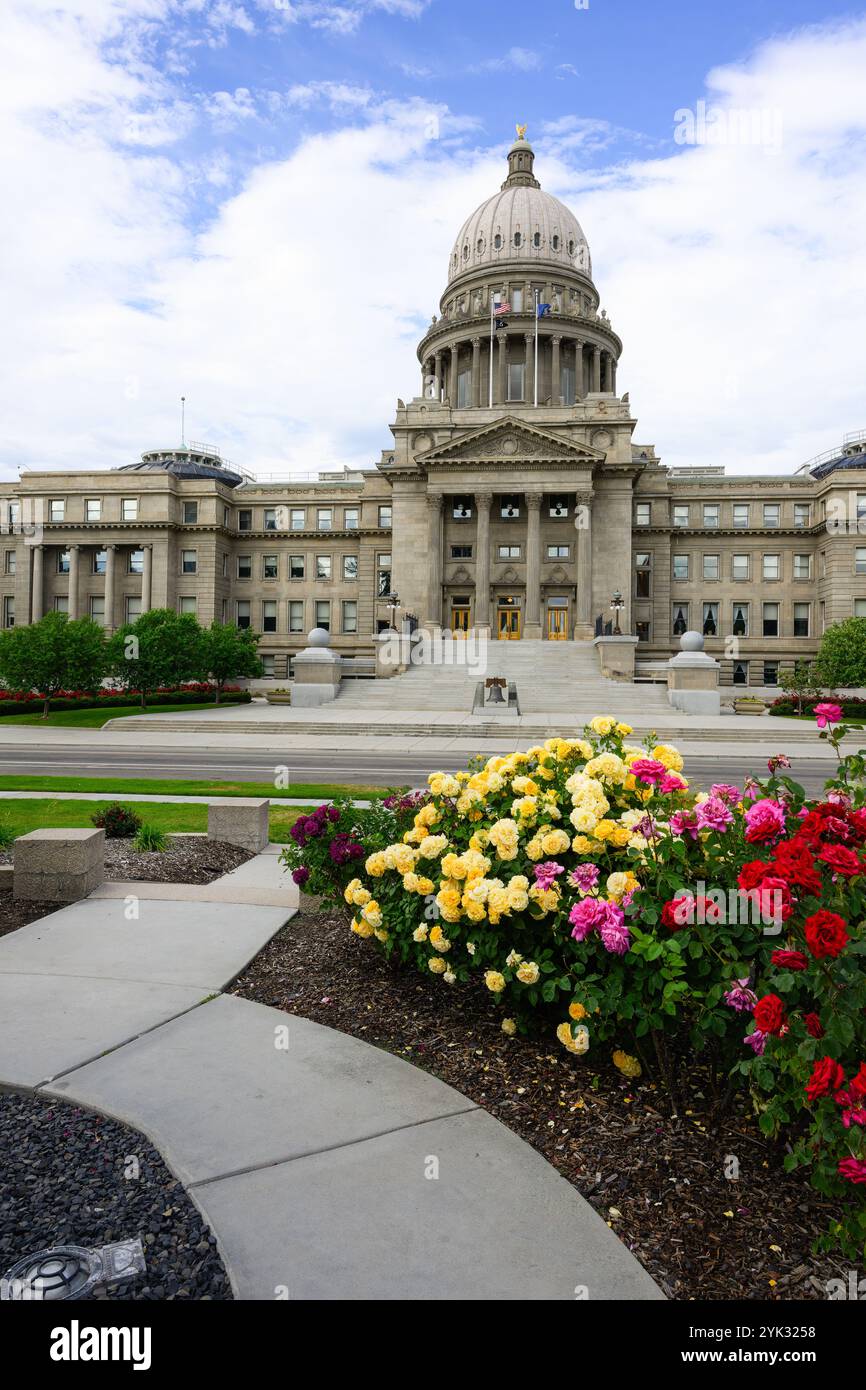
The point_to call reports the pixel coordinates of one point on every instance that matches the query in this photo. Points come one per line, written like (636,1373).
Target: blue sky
(252,202)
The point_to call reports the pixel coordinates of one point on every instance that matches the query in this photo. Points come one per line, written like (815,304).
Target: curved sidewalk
(327,1168)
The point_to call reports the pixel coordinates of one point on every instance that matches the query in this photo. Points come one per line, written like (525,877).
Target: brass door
(557,624)
(459,621)
(509,624)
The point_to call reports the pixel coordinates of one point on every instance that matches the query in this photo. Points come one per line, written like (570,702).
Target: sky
(251,203)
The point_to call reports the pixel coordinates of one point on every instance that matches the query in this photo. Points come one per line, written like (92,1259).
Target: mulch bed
(64,1182)
(660,1184)
(17,912)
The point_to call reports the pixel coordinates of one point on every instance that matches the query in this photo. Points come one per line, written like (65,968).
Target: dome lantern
(521,158)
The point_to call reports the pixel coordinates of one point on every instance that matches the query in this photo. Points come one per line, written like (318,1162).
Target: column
(584,628)
(482,561)
(437,372)
(502,342)
(476,371)
(532,625)
(147,580)
(529,368)
(579,378)
(110,555)
(434,559)
(37,597)
(74,553)
(596,369)
(455,367)
(555,370)
(612,360)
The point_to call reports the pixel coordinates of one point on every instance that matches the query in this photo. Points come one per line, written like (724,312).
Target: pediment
(509,576)
(511,440)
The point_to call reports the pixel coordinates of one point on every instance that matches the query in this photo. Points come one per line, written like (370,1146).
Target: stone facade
(514,499)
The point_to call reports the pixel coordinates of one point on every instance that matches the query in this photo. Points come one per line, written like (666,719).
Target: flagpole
(536,348)
(490,399)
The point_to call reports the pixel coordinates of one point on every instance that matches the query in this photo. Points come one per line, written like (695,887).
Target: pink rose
(827,714)
(765,820)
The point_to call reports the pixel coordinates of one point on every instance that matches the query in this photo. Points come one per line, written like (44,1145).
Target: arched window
(536,240)
(571,248)
(480,245)
(555,242)
(517,238)
(497,242)
(466,252)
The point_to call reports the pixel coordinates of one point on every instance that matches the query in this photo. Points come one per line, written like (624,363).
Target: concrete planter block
(616,656)
(58,865)
(241,821)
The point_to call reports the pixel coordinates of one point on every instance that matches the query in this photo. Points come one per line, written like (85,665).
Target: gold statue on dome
(521,132)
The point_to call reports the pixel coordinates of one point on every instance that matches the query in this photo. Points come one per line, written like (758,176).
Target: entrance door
(460,621)
(509,624)
(557,624)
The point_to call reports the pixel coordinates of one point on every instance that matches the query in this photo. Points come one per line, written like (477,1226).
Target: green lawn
(155,786)
(41,813)
(95,718)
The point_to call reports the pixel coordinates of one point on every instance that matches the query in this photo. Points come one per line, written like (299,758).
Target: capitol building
(515,499)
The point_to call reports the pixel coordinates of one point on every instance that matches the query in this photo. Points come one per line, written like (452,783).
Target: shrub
(118,821)
(7,835)
(150,840)
(841,657)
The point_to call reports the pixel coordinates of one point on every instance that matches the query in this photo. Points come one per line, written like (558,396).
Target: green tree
(229,652)
(842,655)
(160,648)
(53,654)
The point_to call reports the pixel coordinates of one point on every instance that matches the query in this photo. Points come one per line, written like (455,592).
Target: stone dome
(520,222)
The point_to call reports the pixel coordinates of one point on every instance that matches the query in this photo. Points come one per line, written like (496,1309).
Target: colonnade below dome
(569,368)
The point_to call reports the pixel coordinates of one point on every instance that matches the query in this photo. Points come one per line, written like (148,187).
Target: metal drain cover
(69,1271)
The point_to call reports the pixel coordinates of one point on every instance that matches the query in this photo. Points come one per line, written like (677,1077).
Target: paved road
(378,768)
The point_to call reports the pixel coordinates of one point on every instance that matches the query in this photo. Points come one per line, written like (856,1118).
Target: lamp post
(393,606)
(617,603)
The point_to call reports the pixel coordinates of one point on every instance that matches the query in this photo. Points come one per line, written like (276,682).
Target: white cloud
(734,274)
(515,60)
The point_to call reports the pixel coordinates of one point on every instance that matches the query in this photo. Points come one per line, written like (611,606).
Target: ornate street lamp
(617,603)
(393,606)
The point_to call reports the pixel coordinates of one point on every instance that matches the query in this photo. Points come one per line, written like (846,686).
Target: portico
(111,582)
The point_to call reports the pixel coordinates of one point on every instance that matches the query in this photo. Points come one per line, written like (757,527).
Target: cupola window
(479,247)
(517,238)
(466,252)
(497,242)
(571,248)
(555,243)
(536,240)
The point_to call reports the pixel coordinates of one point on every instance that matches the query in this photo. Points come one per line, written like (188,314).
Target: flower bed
(27,701)
(852,706)
(598,897)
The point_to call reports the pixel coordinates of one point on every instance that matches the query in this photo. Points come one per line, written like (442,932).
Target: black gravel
(62,1181)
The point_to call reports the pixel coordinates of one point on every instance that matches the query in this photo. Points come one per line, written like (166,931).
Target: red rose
(789,960)
(826,1076)
(773,897)
(857,821)
(794,862)
(678,913)
(826,934)
(769,1014)
(752,875)
(841,860)
(814,1027)
(858,1082)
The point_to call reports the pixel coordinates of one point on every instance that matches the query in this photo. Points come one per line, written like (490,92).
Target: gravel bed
(62,1181)
(659,1183)
(188,859)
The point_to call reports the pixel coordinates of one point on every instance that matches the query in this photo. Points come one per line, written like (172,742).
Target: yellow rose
(670,757)
(375,865)
(509,1027)
(624,730)
(372,913)
(437,965)
(494,981)
(629,1066)
(419,934)
(361,928)
(555,842)
(528,973)
(380,935)
(439,939)
(432,846)
(601,724)
(577,1011)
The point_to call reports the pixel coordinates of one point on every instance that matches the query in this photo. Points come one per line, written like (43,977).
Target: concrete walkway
(326,1167)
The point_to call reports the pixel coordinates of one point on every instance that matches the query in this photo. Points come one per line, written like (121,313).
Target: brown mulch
(659,1183)
(17,912)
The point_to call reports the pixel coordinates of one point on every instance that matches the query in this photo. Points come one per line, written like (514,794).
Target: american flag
(501,307)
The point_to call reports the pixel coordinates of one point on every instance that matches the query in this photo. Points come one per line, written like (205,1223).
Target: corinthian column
(596,369)
(455,368)
(532,627)
(74,553)
(434,559)
(584,628)
(482,561)
(110,557)
(502,342)
(38,599)
(476,371)
(554,369)
(147,579)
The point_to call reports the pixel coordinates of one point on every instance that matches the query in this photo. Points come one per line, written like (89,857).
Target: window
(508,552)
(56,509)
(269,615)
(349,620)
(298,518)
(350,519)
(802,566)
(771,620)
(740,617)
(711,567)
(642,631)
(861,508)
(189,561)
(225,566)
(680,619)
(385,517)
(245,519)
(135,562)
(711,619)
(100,560)
(801,619)
(270,567)
(642,514)
(245,567)
(802,514)
(567,384)
(225,515)
(9,611)
(557,552)
(517,294)
(63,562)
(323,614)
(296,615)
(741,515)
(268,664)
(859,609)
(61,603)
(772,566)
(516,374)
(350,567)
(270,518)
(296,566)
(741,673)
(243,612)
(324,518)
(772,514)
(383,576)
(711,515)
(771,673)
(97,609)
(681,515)
(190,513)
(461,552)
(10,561)
(739,566)
(860,560)
(462,509)
(93,509)
(323,566)
(559,508)
(133,608)
(510,509)
(188,604)
(681,566)
(643,570)
(823,564)
(464,390)
(129,509)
